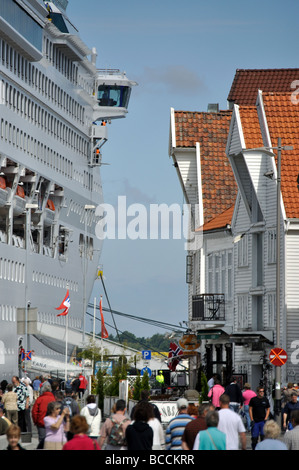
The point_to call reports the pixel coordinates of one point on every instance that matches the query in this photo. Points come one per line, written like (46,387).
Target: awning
(252,337)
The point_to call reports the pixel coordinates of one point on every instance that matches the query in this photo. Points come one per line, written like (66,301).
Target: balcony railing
(208,307)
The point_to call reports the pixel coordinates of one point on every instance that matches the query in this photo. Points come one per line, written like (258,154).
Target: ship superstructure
(55,106)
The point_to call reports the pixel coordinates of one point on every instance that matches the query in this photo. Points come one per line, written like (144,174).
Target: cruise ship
(55,108)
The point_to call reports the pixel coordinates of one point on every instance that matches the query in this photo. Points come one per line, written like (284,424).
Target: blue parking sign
(146,355)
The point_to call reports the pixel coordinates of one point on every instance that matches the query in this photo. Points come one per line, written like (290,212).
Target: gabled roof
(283,121)
(221,221)
(247,81)
(193,126)
(251,127)
(210,130)
(282,118)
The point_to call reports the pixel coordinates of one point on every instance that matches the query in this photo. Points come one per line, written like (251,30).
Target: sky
(182,55)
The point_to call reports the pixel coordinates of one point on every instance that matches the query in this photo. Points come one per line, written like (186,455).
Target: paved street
(34,441)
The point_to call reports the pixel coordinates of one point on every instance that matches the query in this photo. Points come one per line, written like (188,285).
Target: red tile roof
(219,188)
(282,117)
(220,221)
(283,121)
(247,82)
(251,127)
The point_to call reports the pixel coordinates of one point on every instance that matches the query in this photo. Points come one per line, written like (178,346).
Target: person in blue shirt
(36,387)
(176,426)
(291,405)
(211,438)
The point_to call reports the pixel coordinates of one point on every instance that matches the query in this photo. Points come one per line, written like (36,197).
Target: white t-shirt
(231,424)
(158,438)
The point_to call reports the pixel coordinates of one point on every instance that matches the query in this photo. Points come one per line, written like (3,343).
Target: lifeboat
(19,201)
(2,183)
(4,191)
(50,205)
(49,212)
(20,192)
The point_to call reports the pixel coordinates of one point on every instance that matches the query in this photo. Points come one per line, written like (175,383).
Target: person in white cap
(176,426)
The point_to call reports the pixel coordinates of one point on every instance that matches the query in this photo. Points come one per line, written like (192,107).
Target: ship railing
(109,72)
(18,241)
(47,251)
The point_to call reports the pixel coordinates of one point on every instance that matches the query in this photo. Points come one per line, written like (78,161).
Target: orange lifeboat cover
(50,205)
(20,192)
(2,182)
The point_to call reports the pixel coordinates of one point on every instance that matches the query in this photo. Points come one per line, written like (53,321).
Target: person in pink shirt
(247,395)
(216,391)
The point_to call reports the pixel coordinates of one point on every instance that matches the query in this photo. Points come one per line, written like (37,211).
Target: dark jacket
(139,436)
(234,392)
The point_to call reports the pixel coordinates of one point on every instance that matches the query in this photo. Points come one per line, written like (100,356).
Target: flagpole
(101,341)
(65,305)
(94,328)
(94,317)
(66,341)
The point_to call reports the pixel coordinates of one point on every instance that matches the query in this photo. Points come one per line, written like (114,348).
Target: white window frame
(242,311)
(271,242)
(243,252)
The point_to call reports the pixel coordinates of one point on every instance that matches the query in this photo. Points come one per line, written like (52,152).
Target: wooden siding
(187,167)
(292,266)
(234,143)
(292,345)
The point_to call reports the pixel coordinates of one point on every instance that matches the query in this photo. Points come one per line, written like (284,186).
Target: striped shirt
(175,431)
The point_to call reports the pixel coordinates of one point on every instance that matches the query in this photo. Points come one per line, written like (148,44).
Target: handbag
(216,448)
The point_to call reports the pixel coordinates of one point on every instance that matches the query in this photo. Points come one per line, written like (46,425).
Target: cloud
(173,78)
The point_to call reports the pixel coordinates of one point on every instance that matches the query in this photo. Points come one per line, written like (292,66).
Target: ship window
(114,95)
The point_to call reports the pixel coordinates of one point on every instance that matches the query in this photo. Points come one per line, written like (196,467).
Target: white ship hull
(50,183)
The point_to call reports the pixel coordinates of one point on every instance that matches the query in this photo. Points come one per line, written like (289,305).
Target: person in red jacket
(83,385)
(39,411)
(80,440)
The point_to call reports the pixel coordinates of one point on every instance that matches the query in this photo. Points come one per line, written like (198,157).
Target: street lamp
(279,148)
(278,213)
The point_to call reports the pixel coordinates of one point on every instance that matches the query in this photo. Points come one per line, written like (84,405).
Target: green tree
(100,390)
(202,385)
(145,385)
(137,387)
(120,371)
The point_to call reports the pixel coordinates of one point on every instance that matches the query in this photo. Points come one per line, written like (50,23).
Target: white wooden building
(232,286)
(252,129)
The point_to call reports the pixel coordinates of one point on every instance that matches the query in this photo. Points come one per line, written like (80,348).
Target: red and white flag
(65,305)
(174,356)
(104,332)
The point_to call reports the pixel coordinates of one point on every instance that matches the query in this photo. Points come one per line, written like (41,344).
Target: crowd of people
(70,419)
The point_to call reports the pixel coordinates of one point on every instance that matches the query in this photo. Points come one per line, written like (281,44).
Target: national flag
(174,356)
(104,332)
(65,304)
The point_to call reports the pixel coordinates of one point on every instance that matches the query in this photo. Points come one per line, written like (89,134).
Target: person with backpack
(72,405)
(113,431)
(70,402)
